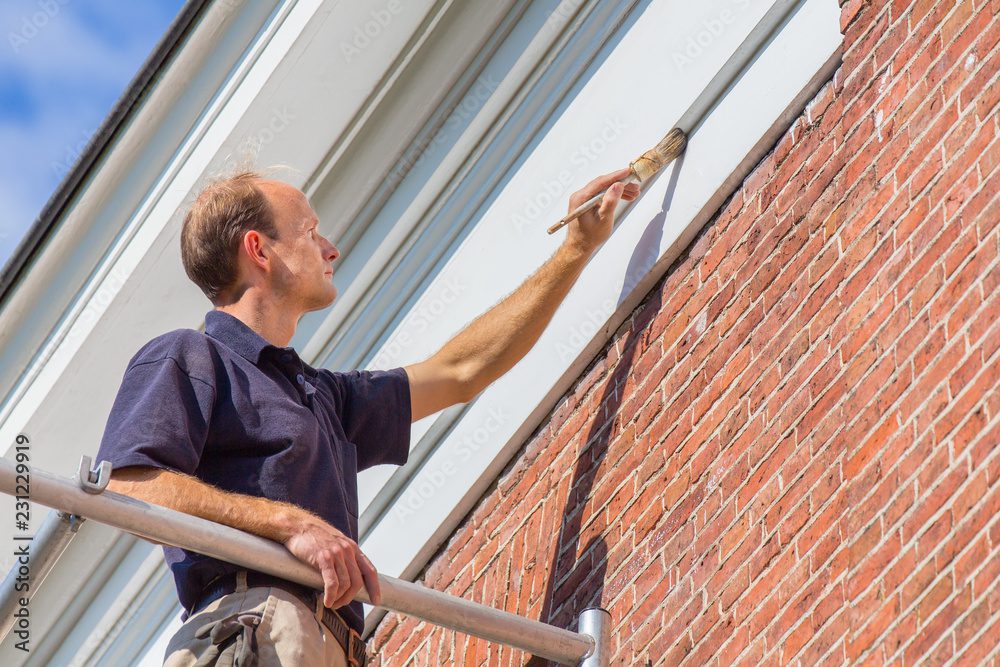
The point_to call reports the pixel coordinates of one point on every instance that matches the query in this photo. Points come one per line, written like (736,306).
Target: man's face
(302,259)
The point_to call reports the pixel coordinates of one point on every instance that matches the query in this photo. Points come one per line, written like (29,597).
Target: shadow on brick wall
(577,577)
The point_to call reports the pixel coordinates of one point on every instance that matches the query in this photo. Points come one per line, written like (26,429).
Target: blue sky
(63,65)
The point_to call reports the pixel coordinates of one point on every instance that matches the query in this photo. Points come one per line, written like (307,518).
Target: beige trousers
(255,626)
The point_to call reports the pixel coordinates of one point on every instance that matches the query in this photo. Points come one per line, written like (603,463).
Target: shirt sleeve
(160,418)
(375,413)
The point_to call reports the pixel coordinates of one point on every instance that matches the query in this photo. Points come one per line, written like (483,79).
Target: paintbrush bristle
(672,145)
(664,152)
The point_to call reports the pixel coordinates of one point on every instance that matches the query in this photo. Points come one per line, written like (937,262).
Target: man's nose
(332,252)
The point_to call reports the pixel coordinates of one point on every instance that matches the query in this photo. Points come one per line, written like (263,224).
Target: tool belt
(354,647)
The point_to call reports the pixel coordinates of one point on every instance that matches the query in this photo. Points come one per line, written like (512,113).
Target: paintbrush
(642,169)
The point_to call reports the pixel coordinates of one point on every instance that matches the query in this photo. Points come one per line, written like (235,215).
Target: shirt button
(300,378)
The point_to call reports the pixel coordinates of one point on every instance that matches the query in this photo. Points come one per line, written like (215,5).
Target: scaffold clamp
(94,481)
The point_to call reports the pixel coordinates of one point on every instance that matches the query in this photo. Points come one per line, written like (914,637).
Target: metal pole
(164,525)
(596,623)
(44,549)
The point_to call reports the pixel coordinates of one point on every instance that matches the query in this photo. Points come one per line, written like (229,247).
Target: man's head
(247,231)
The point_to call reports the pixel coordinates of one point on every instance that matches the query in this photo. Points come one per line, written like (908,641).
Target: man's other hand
(339,560)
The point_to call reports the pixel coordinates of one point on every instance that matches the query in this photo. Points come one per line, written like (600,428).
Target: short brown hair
(214,227)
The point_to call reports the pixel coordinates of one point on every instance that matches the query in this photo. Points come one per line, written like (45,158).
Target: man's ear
(256,249)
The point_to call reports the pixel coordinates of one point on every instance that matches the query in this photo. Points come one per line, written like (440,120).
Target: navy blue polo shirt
(249,417)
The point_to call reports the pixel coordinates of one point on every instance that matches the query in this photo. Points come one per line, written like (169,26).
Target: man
(232,426)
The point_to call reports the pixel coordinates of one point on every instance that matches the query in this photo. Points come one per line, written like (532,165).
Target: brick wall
(789,451)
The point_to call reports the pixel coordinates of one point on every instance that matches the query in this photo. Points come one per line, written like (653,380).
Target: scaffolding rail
(83,498)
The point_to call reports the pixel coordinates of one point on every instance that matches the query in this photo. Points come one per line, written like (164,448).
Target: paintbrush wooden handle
(577,212)
(586,206)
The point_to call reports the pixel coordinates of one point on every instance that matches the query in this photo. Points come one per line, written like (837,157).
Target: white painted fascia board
(489,96)
(642,247)
(437,200)
(724,24)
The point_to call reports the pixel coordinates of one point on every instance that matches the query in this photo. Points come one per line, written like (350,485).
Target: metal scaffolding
(85,498)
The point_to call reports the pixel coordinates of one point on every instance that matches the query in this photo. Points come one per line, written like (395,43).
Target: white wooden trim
(653,232)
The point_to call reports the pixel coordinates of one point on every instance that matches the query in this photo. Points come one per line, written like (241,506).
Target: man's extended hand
(594,227)
(339,559)
(489,346)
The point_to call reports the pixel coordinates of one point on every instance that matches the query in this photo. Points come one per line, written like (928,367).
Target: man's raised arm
(492,343)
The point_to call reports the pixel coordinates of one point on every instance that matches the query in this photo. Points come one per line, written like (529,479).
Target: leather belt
(354,647)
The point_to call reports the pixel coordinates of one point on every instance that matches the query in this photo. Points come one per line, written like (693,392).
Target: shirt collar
(235,334)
